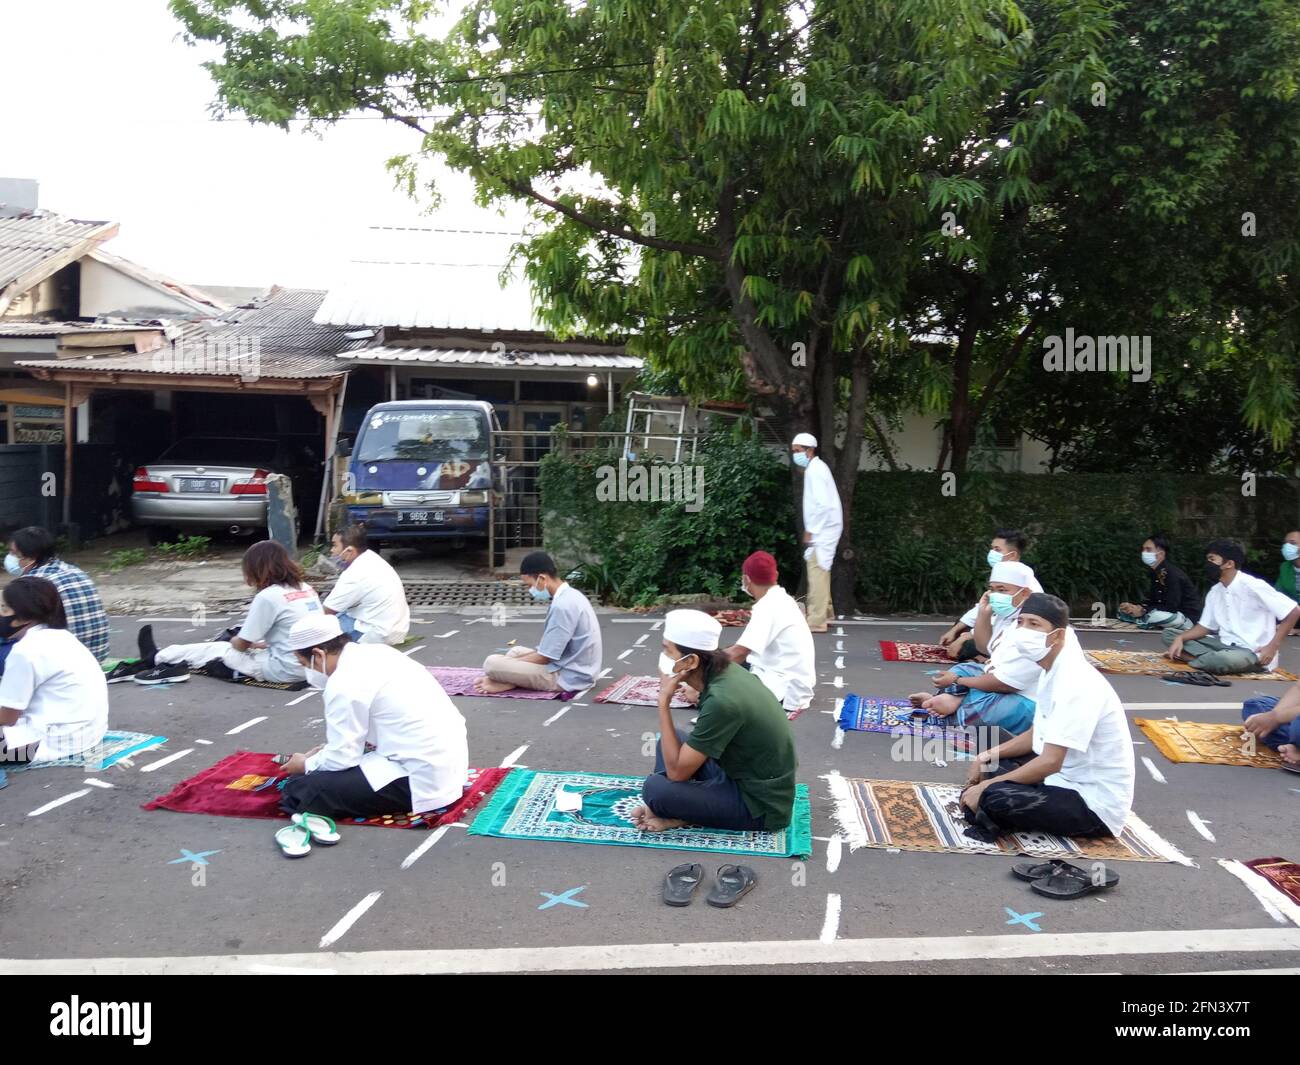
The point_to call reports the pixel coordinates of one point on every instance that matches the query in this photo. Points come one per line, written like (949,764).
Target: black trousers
(1009,807)
(710,798)
(344,793)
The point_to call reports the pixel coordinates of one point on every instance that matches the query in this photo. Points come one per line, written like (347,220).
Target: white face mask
(666,665)
(1031,643)
(316,678)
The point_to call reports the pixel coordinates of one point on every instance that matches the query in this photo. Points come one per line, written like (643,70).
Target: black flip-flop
(1072,883)
(1032,871)
(681,882)
(734,883)
(1290,767)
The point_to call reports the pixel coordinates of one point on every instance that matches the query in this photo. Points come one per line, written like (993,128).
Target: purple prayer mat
(459,680)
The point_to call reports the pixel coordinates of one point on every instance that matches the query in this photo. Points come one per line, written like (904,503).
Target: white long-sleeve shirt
(378,695)
(822,514)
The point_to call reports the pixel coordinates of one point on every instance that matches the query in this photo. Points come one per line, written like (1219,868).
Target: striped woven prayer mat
(912,816)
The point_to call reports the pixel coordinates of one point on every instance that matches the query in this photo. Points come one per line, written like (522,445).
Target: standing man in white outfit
(368,597)
(776,644)
(823,521)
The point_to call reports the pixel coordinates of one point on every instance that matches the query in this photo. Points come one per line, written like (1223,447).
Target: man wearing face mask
(32,554)
(1287,583)
(776,644)
(1244,621)
(1172,600)
(567,657)
(1072,772)
(823,521)
(374,694)
(1010,583)
(1007,545)
(368,597)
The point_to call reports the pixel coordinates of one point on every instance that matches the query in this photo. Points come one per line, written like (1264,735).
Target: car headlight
(363,499)
(473,499)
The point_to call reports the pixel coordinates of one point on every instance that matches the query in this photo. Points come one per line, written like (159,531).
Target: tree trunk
(961,422)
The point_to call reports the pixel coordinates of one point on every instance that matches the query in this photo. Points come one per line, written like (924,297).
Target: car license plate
(420,517)
(200,484)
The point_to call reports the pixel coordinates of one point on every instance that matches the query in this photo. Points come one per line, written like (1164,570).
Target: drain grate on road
(466,593)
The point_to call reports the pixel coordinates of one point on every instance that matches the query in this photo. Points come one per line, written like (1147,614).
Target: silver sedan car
(206,483)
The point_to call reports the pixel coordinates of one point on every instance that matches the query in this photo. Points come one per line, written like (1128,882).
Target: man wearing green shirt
(736,770)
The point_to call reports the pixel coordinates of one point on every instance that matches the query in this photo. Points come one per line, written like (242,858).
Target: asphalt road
(91,879)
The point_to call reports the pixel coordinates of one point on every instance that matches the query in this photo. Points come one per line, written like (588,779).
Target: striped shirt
(87,620)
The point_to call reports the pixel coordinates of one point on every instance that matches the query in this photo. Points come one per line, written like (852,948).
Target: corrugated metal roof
(28,241)
(510,358)
(26,327)
(272,337)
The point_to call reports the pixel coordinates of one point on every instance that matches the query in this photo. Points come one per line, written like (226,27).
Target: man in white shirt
(1072,773)
(567,657)
(823,521)
(1244,620)
(776,644)
(368,596)
(1007,545)
(375,695)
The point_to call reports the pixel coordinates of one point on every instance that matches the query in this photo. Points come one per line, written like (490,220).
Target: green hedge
(917,548)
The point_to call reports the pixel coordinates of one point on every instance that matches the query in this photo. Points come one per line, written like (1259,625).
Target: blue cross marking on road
(1026,919)
(565,897)
(190,856)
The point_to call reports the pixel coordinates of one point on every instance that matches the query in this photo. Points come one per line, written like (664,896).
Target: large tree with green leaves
(739,182)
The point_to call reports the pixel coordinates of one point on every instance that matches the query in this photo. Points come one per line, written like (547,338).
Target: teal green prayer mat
(111,749)
(523,807)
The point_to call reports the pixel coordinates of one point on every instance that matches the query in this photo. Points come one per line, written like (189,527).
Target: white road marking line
(1199,825)
(205,743)
(291,970)
(837,741)
(189,621)
(831,925)
(642,639)
(97,783)
(838,681)
(557,715)
(626,653)
(603,673)
(305,696)
(839,662)
(1156,775)
(247,724)
(513,756)
(834,852)
(416,854)
(656,626)
(166,761)
(1171,717)
(839,645)
(678,955)
(839,631)
(444,635)
(348,920)
(417,647)
(58,802)
(1183,706)
(1275,903)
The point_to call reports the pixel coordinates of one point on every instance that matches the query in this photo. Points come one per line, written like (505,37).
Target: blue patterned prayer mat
(862,713)
(523,807)
(112,748)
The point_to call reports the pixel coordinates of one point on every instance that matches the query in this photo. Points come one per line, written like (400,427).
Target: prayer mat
(862,713)
(637,691)
(459,680)
(913,652)
(912,816)
(524,808)
(1204,741)
(277,685)
(112,748)
(1283,875)
(732,618)
(247,784)
(1154,664)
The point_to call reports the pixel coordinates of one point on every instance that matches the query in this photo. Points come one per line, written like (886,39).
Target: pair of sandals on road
(733,883)
(1058,879)
(295,840)
(1198,677)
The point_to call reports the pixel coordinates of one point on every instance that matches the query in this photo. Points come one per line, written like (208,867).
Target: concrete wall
(106,290)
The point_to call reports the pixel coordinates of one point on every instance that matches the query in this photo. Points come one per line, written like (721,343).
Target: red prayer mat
(636,691)
(1283,875)
(913,652)
(244,785)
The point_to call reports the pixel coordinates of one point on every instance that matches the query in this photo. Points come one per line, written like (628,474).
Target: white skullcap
(313,630)
(805,440)
(692,628)
(1016,573)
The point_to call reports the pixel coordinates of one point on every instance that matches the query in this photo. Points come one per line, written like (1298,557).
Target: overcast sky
(108,110)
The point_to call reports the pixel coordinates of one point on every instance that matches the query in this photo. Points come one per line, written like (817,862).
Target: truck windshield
(423,436)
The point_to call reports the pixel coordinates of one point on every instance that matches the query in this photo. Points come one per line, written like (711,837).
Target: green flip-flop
(294,841)
(320,828)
